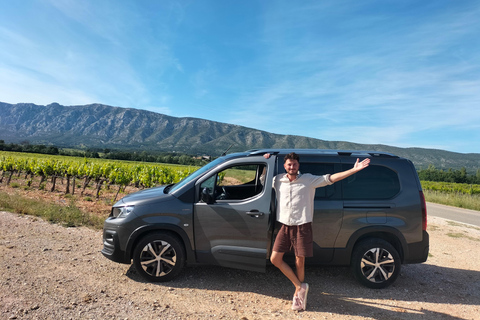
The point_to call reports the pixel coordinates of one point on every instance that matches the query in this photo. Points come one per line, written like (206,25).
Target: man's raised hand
(361,165)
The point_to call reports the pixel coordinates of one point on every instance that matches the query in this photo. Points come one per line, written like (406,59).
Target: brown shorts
(296,238)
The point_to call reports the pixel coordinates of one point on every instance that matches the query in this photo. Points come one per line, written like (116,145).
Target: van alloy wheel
(159,257)
(375,263)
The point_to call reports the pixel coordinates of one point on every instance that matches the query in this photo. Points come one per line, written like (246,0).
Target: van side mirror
(206,196)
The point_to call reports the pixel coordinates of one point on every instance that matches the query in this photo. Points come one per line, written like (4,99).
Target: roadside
(466,216)
(49,271)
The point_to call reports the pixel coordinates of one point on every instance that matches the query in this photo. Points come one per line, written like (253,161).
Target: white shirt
(295,198)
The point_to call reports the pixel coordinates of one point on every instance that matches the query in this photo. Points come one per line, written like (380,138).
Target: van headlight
(122,212)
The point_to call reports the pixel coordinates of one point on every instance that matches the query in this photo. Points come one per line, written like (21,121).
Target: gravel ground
(52,272)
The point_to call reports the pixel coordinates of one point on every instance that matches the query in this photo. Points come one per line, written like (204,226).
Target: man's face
(291,166)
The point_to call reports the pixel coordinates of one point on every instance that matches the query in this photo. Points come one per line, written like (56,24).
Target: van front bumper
(111,247)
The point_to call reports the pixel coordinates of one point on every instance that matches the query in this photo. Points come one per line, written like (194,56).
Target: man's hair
(291,156)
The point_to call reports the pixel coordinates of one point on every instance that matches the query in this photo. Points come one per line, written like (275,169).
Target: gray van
(224,214)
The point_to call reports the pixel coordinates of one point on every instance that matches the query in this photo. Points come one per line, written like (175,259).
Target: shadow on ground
(334,290)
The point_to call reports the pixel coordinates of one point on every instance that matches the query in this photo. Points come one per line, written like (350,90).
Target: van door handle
(255,213)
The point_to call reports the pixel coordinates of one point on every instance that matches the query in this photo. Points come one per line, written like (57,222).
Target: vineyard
(451,187)
(86,172)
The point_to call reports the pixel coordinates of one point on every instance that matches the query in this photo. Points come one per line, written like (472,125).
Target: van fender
(151,228)
(389,234)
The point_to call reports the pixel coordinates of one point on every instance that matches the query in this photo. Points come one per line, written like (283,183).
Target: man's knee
(300,261)
(276,259)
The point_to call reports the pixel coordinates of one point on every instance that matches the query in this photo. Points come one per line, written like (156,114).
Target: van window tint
(320,169)
(374,182)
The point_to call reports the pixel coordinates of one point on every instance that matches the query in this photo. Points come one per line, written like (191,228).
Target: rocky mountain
(101,126)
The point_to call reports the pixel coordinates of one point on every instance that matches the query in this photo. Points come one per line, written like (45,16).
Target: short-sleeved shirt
(295,198)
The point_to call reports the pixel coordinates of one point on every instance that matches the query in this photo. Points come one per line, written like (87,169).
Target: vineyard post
(67,188)
(73,186)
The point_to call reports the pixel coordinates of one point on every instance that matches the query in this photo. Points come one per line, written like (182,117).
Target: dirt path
(52,272)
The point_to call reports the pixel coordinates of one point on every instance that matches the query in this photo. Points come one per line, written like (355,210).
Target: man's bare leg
(300,268)
(277,259)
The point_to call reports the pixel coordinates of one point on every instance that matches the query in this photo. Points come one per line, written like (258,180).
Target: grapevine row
(116,173)
(451,187)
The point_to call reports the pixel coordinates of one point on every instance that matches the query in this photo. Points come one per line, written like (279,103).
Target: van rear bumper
(418,251)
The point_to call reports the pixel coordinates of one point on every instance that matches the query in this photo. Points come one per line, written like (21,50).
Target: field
(75,191)
(460,195)
(110,172)
(449,187)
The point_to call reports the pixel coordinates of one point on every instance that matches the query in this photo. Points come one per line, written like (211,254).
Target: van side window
(320,169)
(236,183)
(373,183)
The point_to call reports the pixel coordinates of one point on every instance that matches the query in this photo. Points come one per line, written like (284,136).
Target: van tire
(159,257)
(375,263)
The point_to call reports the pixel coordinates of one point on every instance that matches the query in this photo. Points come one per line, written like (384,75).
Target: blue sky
(401,73)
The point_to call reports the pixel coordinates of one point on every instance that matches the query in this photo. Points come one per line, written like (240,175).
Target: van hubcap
(377,265)
(158,258)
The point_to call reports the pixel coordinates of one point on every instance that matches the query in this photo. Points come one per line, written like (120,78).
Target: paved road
(453,213)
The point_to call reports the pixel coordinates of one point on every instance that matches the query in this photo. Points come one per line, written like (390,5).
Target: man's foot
(297,304)
(302,295)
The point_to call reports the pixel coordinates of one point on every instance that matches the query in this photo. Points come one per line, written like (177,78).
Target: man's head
(291,163)
(291,156)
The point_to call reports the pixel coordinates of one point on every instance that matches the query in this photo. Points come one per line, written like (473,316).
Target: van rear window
(373,183)
(320,169)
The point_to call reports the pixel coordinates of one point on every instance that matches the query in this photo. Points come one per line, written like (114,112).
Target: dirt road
(52,272)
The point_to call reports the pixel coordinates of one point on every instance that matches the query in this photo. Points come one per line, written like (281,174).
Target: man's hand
(361,165)
(266,155)
(357,167)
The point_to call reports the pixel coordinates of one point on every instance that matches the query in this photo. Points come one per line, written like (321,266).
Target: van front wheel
(375,263)
(159,257)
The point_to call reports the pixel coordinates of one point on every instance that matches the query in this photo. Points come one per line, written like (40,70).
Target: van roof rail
(382,154)
(346,153)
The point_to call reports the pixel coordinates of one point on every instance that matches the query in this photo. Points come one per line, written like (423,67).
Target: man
(295,194)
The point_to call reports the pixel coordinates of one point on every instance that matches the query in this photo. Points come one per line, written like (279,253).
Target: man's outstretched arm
(357,167)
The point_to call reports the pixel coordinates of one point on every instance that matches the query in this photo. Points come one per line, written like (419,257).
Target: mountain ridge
(102,126)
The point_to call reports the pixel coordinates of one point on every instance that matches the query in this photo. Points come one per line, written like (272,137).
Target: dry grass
(459,200)
(57,206)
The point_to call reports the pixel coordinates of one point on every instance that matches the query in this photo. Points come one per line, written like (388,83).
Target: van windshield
(195,174)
